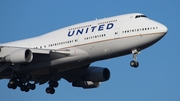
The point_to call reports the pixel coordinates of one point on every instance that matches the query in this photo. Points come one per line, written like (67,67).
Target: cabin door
(76,40)
(116,33)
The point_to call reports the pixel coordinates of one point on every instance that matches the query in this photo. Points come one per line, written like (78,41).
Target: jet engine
(19,56)
(97,74)
(93,77)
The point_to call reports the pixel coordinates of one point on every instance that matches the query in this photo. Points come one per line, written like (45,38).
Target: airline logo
(91,29)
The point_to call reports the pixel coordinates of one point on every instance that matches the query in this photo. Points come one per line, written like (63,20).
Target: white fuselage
(100,39)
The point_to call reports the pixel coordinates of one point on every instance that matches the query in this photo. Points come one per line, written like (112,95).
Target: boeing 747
(68,52)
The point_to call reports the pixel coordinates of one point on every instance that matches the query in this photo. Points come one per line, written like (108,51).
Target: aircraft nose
(164,29)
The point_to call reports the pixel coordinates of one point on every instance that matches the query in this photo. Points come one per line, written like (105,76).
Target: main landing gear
(17,82)
(134,63)
(23,82)
(52,85)
(53,82)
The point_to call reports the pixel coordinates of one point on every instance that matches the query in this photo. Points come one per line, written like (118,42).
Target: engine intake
(19,56)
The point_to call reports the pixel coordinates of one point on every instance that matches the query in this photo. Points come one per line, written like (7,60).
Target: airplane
(67,53)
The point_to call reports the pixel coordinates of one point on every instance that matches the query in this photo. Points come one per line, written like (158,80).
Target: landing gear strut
(134,63)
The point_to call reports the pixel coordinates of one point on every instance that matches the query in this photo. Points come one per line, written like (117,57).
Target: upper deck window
(139,16)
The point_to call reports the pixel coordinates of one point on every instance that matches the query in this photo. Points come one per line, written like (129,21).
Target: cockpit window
(139,16)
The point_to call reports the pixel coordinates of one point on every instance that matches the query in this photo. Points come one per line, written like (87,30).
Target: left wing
(17,55)
(22,65)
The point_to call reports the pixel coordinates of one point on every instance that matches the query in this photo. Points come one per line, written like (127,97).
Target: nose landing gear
(134,63)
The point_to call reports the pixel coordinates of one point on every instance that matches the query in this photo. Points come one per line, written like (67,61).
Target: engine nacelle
(19,56)
(97,74)
(86,84)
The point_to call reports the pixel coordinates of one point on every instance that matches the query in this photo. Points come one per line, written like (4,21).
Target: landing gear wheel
(134,64)
(9,85)
(22,88)
(12,86)
(27,89)
(50,90)
(31,86)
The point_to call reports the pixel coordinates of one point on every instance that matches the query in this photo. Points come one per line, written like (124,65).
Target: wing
(37,60)
(23,65)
